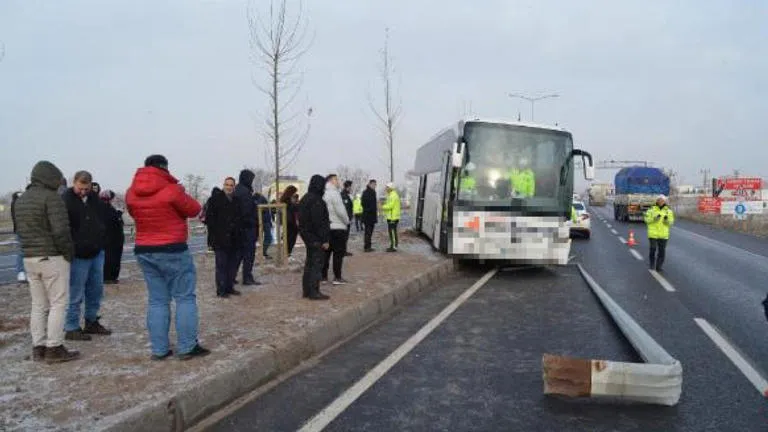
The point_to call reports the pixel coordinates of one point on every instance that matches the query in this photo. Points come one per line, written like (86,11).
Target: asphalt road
(481,368)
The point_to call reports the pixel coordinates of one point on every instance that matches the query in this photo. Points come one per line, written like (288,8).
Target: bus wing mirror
(457,155)
(589,172)
(589,166)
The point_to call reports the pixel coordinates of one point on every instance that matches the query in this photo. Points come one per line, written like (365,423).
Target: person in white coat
(339,218)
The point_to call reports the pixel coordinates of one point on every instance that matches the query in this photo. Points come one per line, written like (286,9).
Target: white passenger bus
(469,201)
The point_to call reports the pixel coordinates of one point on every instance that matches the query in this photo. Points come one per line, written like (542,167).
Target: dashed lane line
(741,363)
(623,240)
(636,254)
(329,413)
(662,281)
(614,232)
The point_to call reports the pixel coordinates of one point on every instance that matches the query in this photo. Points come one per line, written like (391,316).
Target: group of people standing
(65,234)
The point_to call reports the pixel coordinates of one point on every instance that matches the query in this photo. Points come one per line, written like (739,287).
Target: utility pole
(705,172)
(532,100)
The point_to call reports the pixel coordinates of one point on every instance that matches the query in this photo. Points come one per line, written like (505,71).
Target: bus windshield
(506,163)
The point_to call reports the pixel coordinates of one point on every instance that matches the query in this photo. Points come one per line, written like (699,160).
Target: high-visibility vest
(523,181)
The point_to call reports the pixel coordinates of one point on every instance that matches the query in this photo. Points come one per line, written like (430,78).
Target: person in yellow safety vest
(357,210)
(391,208)
(659,219)
(467,183)
(574,216)
(523,182)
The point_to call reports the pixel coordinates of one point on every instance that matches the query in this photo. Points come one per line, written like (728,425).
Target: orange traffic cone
(631,241)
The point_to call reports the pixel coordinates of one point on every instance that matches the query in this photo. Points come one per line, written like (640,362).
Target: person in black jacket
(346,198)
(291,216)
(222,216)
(113,253)
(87,215)
(315,230)
(370,213)
(249,226)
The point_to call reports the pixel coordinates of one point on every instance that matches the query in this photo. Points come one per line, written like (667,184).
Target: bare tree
(358,176)
(194,184)
(2,50)
(390,115)
(278,42)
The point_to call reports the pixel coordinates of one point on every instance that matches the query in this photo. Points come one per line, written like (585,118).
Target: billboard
(742,208)
(709,205)
(738,189)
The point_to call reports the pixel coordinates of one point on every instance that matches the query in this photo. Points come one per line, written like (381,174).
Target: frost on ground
(115,373)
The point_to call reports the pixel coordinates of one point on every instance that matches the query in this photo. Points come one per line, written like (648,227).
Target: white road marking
(623,240)
(663,281)
(571,257)
(329,413)
(752,375)
(609,225)
(719,243)
(614,232)
(636,254)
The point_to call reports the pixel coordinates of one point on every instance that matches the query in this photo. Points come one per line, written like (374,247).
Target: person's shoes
(235,292)
(21,277)
(197,351)
(348,254)
(38,353)
(77,335)
(324,281)
(156,357)
(658,269)
(340,281)
(391,250)
(319,296)
(111,282)
(95,328)
(369,250)
(60,354)
(222,295)
(251,282)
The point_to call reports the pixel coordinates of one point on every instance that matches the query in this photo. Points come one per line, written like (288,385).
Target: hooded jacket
(160,208)
(223,219)
(337,211)
(370,206)
(249,221)
(314,223)
(42,223)
(659,228)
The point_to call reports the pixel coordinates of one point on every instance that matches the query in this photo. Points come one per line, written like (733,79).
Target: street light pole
(532,100)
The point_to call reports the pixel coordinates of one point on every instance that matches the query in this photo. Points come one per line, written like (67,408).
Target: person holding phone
(659,220)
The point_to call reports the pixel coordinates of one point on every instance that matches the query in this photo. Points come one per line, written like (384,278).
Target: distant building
(285,181)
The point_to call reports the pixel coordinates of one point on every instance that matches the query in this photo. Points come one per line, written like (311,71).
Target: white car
(583,224)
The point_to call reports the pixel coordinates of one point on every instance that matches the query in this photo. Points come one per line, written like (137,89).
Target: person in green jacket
(357,210)
(391,208)
(523,180)
(659,219)
(574,217)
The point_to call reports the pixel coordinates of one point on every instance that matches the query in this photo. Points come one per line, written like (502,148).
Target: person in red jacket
(160,208)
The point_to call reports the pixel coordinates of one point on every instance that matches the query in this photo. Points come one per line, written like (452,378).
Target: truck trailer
(636,191)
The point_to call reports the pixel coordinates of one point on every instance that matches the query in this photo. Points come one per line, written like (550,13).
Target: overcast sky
(99,85)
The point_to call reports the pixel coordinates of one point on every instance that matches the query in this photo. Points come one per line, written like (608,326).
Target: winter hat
(390,185)
(661,197)
(157,161)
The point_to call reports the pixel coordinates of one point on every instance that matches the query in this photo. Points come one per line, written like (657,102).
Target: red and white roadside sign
(739,189)
(709,205)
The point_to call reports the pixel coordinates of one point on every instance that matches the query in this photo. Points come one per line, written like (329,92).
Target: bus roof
(515,123)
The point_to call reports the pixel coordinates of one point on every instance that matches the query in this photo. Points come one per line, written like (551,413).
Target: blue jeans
(19,257)
(86,284)
(170,276)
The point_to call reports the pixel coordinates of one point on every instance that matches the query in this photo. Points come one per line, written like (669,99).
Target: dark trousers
(659,245)
(113,254)
(246,254)
(358,223)
(226,269)
(338,249)
(313,267)
(292,232)
(368,234)
(392,229)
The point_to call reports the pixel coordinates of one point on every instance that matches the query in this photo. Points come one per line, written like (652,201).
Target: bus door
(441,241)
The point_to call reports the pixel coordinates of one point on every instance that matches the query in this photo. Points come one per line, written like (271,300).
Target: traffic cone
(631,241)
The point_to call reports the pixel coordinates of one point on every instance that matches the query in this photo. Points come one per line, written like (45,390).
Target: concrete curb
(192,405)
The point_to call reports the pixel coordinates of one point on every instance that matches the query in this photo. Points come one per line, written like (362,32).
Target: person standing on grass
(249,227)
(339,221)
(315,231)
(87,221)
(42,225)
(292,217)
(659,219)
(160,207)
(391,209)
(21,277)
(113,254)
(370,213)
(357,211)
(223,219)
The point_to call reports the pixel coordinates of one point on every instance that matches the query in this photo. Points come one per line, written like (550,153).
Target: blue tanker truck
(636,190)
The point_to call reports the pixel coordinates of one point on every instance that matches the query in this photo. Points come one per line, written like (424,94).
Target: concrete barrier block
(226,385)
(386,302)
(348,322)
(324,335)
(158,416)
(291,352)
(401,294)
(369,311)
